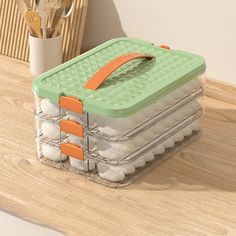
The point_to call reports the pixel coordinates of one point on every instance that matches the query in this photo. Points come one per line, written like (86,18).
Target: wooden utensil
(68,7)
(56,18)
(45,8)
(33,21)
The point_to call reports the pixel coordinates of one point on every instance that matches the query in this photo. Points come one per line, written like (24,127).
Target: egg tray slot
(143,150)
(94,176)
(93,131)
(93,155)
(148,146)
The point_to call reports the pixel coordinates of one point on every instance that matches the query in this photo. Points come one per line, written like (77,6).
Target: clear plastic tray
(139,172)
(48,133)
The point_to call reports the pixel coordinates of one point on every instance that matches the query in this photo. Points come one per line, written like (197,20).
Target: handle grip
(101,75)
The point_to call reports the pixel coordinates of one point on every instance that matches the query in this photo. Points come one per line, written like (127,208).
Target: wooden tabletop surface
(193,193)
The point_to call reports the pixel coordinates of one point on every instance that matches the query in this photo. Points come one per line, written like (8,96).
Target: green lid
(130,88)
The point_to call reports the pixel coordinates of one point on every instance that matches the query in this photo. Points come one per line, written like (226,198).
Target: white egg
(76,140)
(148,135)
(140,162)
(51,131)
(158,128)
(178,137)
(83,165)
(124,147)
(138,141)
(195,106)
(187,111)
(195,126)
(126,169)
(53,153)
(109,173)
(148,156)
(168,122)
(179,116)
(169,143)
(159,149)
(187,131)
(51,108)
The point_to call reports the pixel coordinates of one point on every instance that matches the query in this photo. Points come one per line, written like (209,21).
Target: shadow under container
(117,111)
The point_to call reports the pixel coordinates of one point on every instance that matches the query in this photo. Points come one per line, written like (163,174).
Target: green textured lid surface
(129,89)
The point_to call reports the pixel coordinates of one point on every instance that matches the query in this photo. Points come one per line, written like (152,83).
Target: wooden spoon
(33,21)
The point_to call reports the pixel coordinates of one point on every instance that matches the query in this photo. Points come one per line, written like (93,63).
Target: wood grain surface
(14,33)
(192,194)
(221,91)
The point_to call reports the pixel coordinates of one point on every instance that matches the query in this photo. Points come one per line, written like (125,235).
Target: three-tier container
(117,111)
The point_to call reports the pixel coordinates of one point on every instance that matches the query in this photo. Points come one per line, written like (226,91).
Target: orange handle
(72,150)
(96,81)
(72,127)
(71,104)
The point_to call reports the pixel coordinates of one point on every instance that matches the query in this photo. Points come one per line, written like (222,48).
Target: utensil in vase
(68,7)
(33,21)
(56,16)
(45,7)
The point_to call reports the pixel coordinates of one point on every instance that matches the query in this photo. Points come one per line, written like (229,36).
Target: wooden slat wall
(14,33)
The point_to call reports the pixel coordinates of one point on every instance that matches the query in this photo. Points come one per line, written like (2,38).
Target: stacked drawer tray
(117,111)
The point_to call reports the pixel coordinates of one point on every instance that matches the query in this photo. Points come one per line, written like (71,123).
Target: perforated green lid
(130,88)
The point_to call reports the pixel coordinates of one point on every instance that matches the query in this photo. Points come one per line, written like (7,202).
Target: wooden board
(14,33)
(193,193)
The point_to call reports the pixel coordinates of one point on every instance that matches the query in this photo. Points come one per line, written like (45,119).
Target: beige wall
(206,27)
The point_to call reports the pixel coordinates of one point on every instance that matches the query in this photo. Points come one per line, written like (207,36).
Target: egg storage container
(118,110)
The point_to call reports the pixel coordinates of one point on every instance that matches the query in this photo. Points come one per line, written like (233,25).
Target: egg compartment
(111,173)
(117,151)
(50,148)
(149,145)
(139,172)
(122,129)
(94,123)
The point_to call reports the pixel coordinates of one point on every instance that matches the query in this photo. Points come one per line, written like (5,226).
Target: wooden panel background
(14,33)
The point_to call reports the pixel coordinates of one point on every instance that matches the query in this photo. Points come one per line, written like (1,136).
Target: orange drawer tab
(72,150)
(165,47)
(72,127)
(71,104)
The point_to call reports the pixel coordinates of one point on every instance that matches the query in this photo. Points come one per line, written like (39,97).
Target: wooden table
(193,193)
